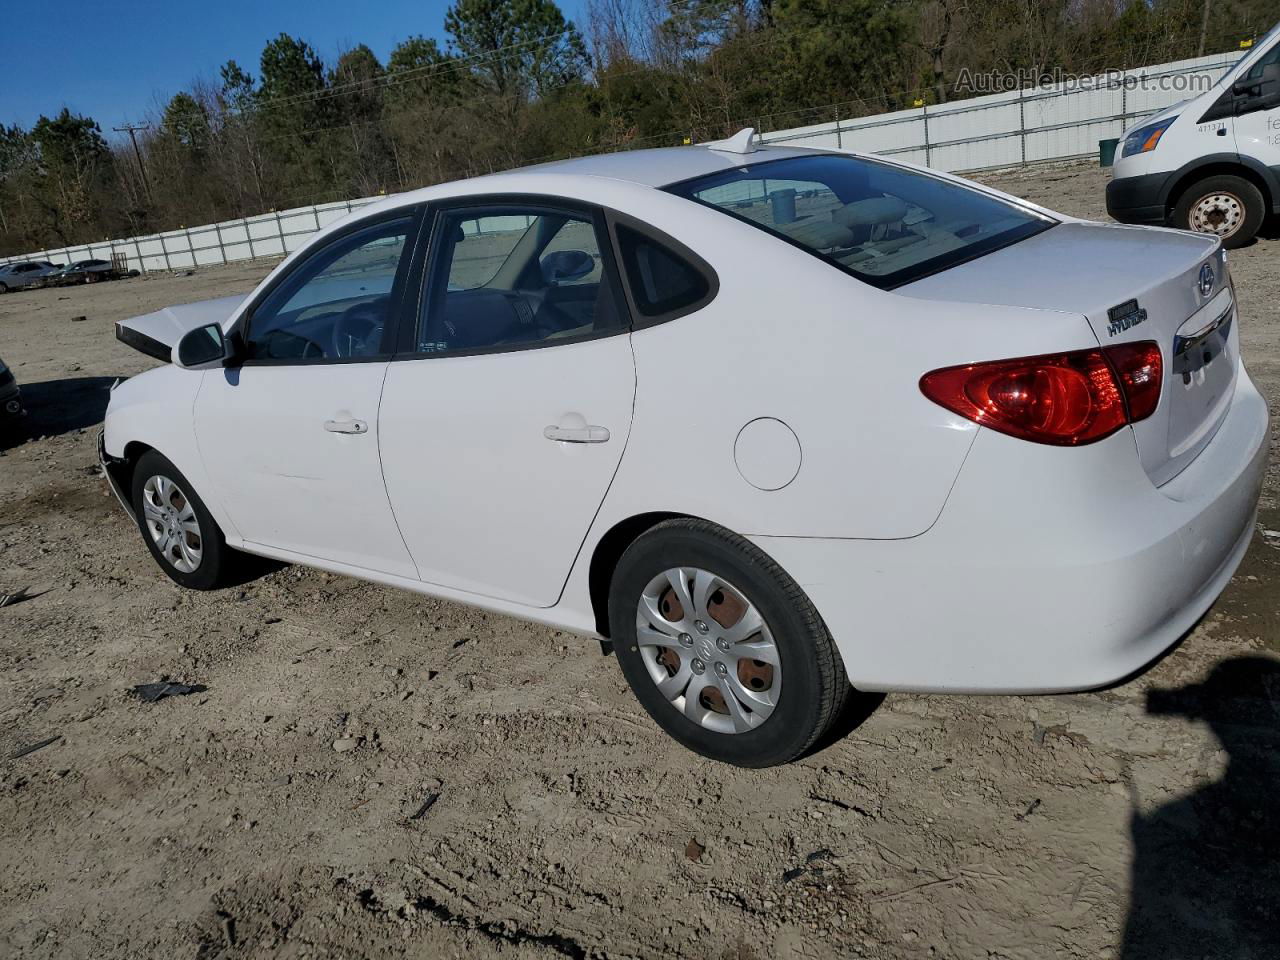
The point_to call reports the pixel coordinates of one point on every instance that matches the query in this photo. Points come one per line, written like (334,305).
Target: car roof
(663,166)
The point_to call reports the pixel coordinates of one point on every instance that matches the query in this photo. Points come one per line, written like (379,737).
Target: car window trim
(893,281)
(640,319)
(428,267)
(414,213)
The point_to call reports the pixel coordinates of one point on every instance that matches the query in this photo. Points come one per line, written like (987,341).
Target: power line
(132,129)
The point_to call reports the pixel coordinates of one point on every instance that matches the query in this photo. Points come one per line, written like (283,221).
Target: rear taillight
(1067,399)
(1139,367)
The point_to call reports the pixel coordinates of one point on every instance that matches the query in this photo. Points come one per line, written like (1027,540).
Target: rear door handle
(577,434)
(346,426)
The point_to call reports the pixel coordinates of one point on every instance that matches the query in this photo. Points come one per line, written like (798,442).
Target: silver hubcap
(1219,213)
(172,523)
(708,650)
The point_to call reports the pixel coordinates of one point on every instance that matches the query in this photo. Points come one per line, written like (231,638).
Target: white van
(1210,164)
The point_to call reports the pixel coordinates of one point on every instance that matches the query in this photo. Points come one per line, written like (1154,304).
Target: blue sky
(114,59)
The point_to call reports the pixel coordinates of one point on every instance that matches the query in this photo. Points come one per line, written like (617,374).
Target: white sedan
(773,421)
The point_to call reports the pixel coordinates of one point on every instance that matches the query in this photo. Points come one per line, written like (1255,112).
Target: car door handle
(577,434)
(346,426)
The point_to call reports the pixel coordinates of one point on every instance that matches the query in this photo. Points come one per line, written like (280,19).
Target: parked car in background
(14,276)
(10,398)
(1210,164)
(86,271)
(775,421)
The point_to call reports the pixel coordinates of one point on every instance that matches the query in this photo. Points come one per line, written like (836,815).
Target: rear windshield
(884,224)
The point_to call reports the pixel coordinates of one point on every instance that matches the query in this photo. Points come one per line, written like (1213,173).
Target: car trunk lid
(1131,284)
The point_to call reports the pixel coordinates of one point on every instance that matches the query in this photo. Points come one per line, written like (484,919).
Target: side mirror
(1267,83)
(201,348)
(566,265)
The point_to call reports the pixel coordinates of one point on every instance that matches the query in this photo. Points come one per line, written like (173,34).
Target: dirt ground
(286,811)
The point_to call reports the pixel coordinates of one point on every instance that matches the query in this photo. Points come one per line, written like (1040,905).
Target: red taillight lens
(1140,369)
(1066,399)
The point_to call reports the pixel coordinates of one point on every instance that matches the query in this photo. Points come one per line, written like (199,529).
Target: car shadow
(1270,230)
(857,709)
(1206,866)
(55,407)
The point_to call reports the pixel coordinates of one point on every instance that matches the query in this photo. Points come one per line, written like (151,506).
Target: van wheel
(722,647)
(1224,206)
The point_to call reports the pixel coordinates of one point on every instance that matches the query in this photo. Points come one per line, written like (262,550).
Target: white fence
(1023,126)
(1061,122)
(249,238)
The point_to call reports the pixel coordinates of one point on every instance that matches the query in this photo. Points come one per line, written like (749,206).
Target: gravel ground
(370,773)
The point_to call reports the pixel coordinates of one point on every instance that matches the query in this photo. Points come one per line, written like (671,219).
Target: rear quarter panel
(793,338)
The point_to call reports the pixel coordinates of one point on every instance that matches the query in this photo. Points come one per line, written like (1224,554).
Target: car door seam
(635,393)
(204,460)
(382,472)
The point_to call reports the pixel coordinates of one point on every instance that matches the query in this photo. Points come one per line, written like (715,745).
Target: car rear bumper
(1138,199)
(1050,569)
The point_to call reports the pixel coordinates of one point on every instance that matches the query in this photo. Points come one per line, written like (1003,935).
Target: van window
(1272,56)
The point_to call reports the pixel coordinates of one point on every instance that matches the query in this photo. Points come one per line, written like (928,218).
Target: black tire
(217,560)
(3,288)
(1233,199)
(814,687)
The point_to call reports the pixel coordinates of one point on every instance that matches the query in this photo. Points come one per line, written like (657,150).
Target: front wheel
(721,646)
(1223,206)
(177,527)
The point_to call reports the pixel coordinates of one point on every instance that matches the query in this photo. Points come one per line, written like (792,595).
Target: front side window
(884,224)
(337,303)
(513,276)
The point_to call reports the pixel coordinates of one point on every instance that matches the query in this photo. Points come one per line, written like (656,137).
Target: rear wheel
(4,288)
(722,647)
(1224,206)
(177,527)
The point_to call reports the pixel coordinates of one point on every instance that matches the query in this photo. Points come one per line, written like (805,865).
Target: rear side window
(509,277)
(884,224)
(661,280)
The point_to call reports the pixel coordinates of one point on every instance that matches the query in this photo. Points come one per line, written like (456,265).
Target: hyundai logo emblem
(1207,280)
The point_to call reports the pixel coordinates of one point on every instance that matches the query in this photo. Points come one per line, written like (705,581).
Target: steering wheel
(358,328)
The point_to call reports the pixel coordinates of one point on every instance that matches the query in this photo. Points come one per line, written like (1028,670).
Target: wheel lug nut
(686,640)
(721,669)
(722,643)
(702,627)
(697,666)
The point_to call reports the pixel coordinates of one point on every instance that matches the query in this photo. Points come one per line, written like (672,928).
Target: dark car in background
(10,398)
(86,271)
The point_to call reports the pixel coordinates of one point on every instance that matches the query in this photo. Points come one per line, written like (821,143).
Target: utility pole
(132,129)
